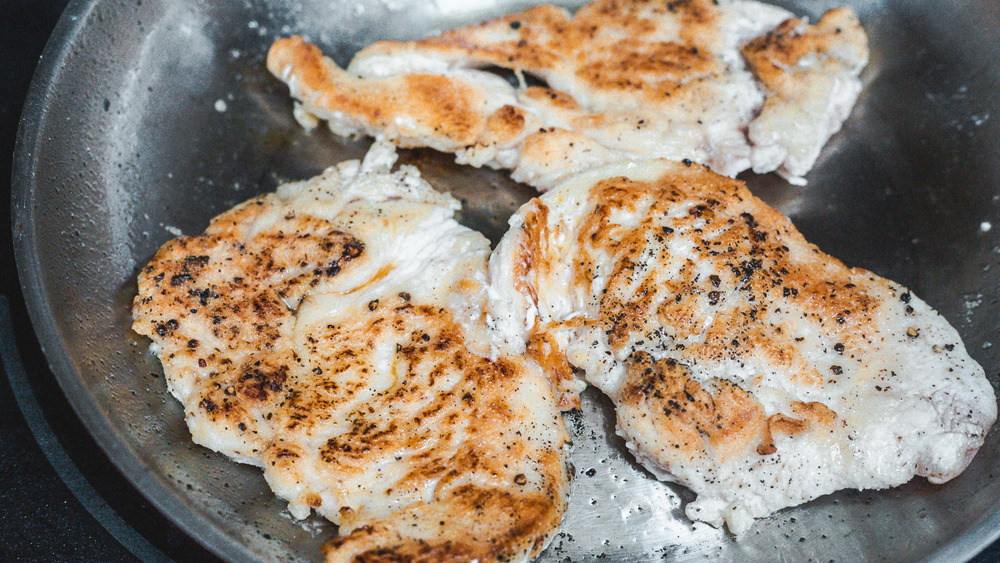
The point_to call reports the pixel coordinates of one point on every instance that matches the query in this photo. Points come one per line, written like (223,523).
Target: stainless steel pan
(149,117)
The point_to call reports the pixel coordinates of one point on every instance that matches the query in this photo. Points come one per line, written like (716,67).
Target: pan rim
(149,483)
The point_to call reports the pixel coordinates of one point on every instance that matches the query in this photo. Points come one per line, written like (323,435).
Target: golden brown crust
(629,79)
(478,525)
(533,249)
(760,264)
(553,98)
(688,417)
(438,104)
(770,56)
(743,362)
(218,304)
(472,448)
(420,109)
(756,250)
(547,353)
(814,414)
(504,125)
(612,44)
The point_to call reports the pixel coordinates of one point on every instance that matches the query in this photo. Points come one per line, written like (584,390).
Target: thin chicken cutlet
(744,363)
(333,335)
(731,84)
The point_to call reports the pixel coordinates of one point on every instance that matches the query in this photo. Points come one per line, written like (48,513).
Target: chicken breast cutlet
(731,84)
(333,334)
(744,363)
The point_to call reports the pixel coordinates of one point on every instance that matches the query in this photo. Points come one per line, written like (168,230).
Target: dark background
(60,497)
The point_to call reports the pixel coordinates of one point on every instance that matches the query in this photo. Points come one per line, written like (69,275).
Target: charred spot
(196,261)
(515,25)
(520,479)
(261,306)
(404,296)
(713,297)
(167,327)
(363,437)
(836,370)
(257,384)
(352,249)
(208,405)
(715,280)
(905,298)
(667,230)
(373,304)
(203,295)
(839,348)
(698,210)
(180,279)
(687,162)
(749,220)
(333,268)
(746,269)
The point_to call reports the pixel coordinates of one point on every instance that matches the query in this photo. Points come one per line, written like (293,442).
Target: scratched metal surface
(148,118)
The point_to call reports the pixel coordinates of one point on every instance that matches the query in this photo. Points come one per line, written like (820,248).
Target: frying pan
(145,119)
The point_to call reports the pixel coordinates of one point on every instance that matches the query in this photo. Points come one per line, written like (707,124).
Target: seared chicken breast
(333,334)
(731,84)
(744,363)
